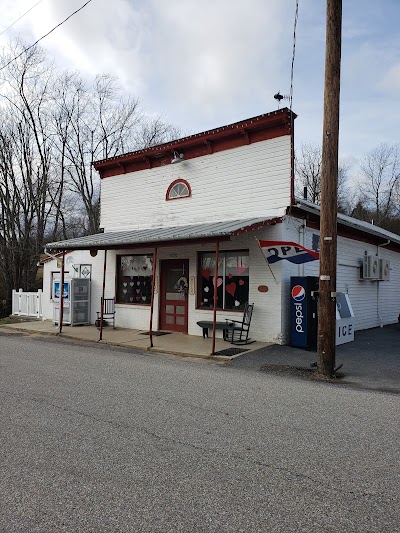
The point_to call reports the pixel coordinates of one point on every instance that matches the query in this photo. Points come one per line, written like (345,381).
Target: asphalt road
(104,439)
(372,361)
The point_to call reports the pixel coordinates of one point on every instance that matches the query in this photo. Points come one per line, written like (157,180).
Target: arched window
(178,189)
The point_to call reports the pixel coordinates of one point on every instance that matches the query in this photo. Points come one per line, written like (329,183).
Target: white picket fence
(27,303)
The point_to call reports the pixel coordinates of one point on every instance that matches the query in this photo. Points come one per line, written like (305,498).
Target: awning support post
(152,295)
(215,297)
(102,295)
(61,309)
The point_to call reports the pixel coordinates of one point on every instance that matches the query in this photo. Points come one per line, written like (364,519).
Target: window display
(134,279)
(232,280)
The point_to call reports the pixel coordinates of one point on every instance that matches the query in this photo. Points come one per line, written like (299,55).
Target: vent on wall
(370,267)
(384,269)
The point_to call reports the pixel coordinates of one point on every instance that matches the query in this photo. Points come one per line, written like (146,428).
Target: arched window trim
(172,185)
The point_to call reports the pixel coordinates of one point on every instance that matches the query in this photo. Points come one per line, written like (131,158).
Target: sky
(205,64)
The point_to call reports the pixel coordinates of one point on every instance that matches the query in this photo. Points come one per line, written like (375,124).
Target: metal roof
(351,222)
(124,239)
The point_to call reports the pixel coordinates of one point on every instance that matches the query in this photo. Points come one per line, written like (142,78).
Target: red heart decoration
(230,275)
(137,291)
(137,298)
(241,282)
(231,288)
(206,273)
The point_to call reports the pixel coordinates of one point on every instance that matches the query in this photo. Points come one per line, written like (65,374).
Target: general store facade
(169,210)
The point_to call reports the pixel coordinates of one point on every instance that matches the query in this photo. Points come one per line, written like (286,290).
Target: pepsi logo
(298,293)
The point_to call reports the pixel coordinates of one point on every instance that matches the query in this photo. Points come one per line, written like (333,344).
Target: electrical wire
(296,16)
(26,12)
(41,38)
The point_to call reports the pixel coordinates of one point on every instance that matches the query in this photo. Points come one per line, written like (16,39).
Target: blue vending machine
(304,311)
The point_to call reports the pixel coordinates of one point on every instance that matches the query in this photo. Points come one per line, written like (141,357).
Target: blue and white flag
(291,251)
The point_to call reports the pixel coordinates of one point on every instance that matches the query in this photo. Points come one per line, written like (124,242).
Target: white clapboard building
(166,211)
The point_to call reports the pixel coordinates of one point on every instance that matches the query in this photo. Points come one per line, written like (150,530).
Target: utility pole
(329,184)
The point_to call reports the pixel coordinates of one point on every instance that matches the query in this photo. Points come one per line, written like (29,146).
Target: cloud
(205,64)
(391,80)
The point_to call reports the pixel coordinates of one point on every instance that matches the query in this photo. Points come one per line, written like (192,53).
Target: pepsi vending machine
(304,311)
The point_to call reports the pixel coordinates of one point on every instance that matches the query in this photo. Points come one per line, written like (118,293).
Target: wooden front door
(174,295)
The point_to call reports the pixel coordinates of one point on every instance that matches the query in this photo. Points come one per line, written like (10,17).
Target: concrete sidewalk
(372,361)
(174,343)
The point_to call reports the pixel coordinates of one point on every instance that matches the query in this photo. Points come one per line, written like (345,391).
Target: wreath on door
(182,284)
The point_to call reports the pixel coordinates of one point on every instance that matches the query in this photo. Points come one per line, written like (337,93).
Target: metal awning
(164,235)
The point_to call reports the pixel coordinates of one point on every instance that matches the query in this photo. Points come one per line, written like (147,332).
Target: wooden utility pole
(329,184)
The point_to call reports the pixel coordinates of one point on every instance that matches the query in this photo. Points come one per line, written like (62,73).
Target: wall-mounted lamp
(177,158)
(70,263)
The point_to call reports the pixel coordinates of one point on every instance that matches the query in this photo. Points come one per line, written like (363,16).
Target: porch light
(177,158)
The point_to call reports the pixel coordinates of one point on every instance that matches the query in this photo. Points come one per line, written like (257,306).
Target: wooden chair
(237,332)
(108,312)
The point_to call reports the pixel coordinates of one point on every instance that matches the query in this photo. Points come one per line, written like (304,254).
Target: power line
(26,12)
(41,38)
(296,16)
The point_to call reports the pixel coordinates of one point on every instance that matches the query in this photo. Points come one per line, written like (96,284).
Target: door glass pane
(180,310)
(180,320)
(175,296)
(169,319)
(170,296)
(169,308)
(173,275)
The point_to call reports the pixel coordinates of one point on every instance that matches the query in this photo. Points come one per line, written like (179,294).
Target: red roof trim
(268,126)
(259,225)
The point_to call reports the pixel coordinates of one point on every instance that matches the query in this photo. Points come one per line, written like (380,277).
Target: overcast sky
(204,64)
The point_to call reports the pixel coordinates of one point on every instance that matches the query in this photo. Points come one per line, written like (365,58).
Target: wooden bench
(207,324)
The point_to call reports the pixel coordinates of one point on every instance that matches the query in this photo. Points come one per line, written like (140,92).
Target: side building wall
(375,303)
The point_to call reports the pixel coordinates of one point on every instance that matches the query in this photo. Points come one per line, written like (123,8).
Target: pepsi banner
(275,251)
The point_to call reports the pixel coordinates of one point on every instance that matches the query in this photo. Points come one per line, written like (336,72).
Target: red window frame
(179,180)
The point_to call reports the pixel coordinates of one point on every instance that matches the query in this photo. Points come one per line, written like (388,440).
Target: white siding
(374,303)
(266,321)
(252,180)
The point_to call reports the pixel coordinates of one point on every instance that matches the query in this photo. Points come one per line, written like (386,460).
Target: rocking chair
(237,332)
(108,312)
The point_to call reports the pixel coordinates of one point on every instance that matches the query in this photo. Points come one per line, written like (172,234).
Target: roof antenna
(278,96)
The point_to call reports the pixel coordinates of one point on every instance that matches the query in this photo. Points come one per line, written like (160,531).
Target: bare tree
(54,126)
(95,123)
(308,175)
(379,183)
(26,161)
(154,131)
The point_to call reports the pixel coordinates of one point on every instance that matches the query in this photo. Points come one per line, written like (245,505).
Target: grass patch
(10,320)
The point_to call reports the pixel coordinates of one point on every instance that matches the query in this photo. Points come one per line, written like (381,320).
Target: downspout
(152,296)
(215,297)
(378,310)
(61,316)
(102,295)
(302,239)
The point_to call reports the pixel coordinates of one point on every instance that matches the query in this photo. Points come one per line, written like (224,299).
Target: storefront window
(134,279)
(232,280)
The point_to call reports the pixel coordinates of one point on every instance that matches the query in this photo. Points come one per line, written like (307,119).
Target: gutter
(378,309)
